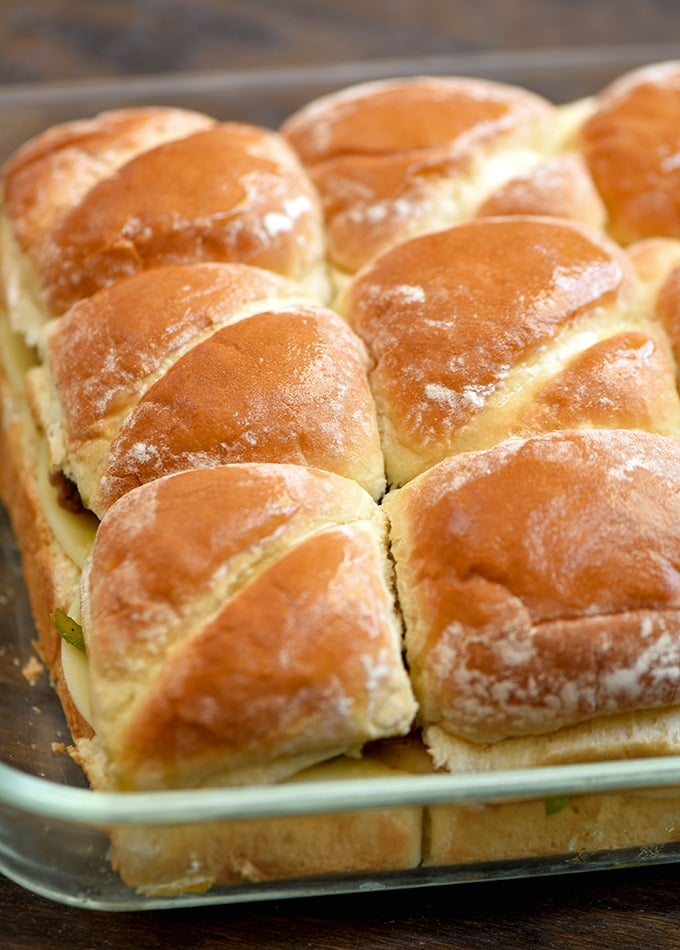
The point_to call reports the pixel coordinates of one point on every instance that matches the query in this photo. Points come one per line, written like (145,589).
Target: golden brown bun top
(446,317)
(484,273)
(233,513)
(540,581)
(204,364)
(399,115)
(631,143)
(238,617)
(381,153)
(560,187)
(285,385)
(104,347)
(219,192)
(54,170)
(231,193)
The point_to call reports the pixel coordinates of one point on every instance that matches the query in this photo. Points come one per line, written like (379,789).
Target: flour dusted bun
(629,143)
(240,624)
(207,192)
(508,325)
(54,171)
(540,588)
(559,187)
(395,158)
(197,365)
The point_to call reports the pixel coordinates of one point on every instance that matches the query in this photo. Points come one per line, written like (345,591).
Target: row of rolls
(354,441)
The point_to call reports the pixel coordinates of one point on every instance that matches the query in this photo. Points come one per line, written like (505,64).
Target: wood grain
(47,41)
(627,909)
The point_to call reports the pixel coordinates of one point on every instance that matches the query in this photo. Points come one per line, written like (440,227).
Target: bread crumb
(59,748)
(32,670)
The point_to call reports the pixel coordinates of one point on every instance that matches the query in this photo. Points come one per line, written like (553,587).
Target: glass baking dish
(55,833)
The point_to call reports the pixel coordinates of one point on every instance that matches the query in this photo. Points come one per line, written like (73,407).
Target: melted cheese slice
(77,678)
(74,533)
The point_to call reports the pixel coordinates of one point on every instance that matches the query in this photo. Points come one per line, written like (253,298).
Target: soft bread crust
(267,641)
(233,192)
(131,332)
(584,825)
(184,366)
(394,158)
(54,171)
(668,306)
(559,187)
(503,326)
(631,735)
(389,116)
(621,381)
(228,192)
(627,142)
(539,582)
(214,406)
(194,858)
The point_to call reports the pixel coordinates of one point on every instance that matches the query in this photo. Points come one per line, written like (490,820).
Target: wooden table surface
(57,41)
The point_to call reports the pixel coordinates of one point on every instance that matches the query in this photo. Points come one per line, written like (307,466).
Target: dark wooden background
(73,39)
(48,41)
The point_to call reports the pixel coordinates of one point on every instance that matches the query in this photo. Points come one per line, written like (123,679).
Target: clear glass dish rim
(475,62)
(45,798)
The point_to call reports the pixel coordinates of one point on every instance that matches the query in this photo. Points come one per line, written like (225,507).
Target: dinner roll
(509,325)
(240,625)
(398,157)
(630,144)
(540,589)
(217,192)
(197,365)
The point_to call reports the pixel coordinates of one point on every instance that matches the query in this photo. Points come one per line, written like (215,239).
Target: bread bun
(560,187)
(507,326)
(394,158)
(630,143)
(581,827)
(539,586)
(55,170)
(166,860)
(205,191)
(239,623)
(197,365)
